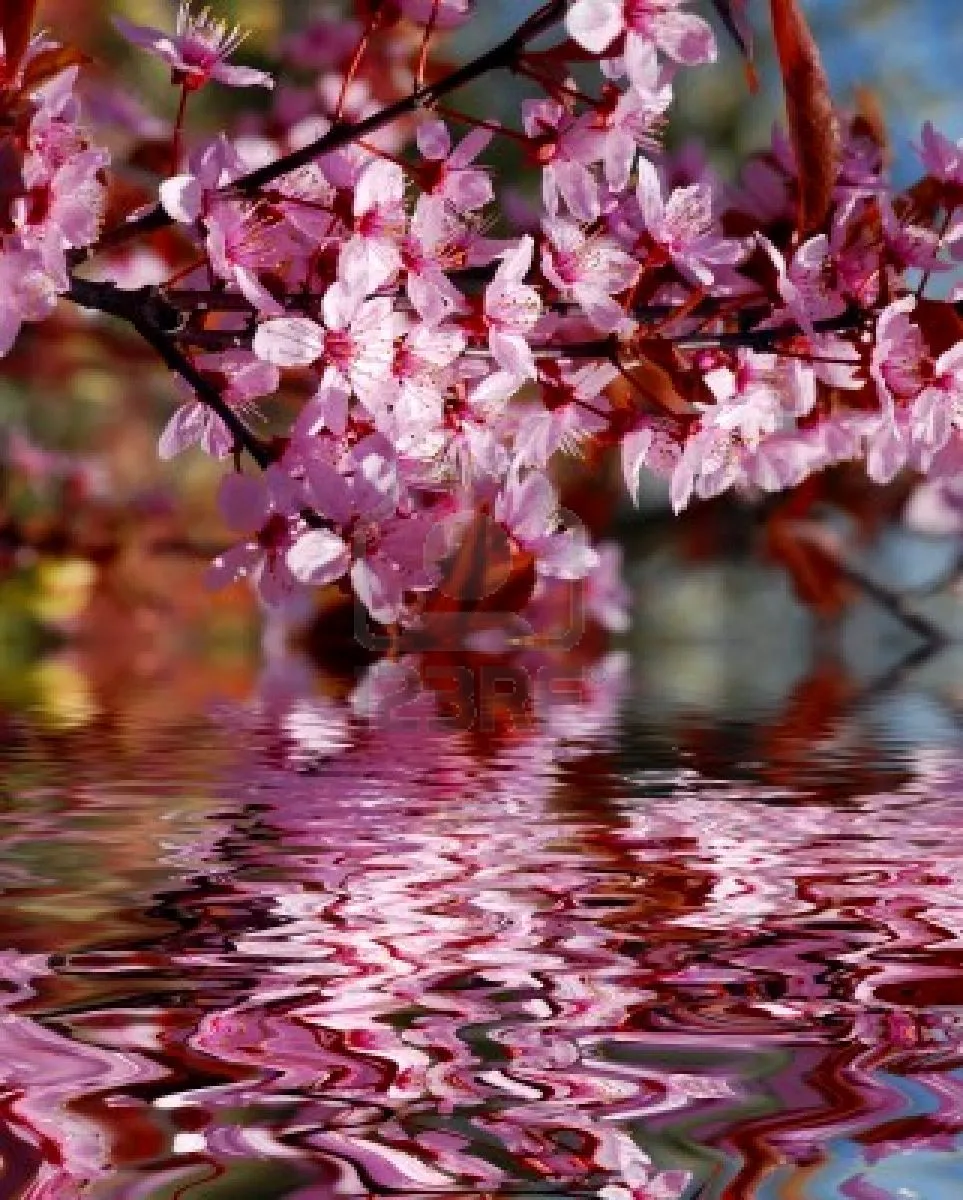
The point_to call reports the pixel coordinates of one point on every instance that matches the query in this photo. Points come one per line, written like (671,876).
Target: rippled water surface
(321,939)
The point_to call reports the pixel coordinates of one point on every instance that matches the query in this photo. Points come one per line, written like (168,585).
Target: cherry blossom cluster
(345,258)
(53,187)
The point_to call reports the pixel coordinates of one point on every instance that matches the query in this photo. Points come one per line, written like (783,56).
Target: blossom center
(339,348)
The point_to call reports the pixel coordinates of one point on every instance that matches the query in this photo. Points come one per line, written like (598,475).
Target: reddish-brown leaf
(485,572)
(807,552)
(16,22)
(813,127)
(49,63)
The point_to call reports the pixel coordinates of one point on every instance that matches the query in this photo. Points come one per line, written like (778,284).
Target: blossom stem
(422,68)
(356,60)
(495,127)
(177,139)
(556,87)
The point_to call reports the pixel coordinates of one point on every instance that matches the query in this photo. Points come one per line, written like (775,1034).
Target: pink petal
(684,37)
(380,183)
(649,194)
(184,429)
(318,557)
(468,190)
(595,24)
(236,563)
(9,327)
(289,341)
(469,148)
(146,38)
(528,507)
(567,556)
(340,305)
(378,586)
(243,502)
(232,76)
(252,289)
(516,261)
(513,354)
(579,190)
(328,491)
(182,197)
(433,139)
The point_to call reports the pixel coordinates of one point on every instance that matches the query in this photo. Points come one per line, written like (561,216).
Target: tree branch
(155,320)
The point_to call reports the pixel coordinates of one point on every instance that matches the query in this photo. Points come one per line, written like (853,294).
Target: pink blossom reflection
(403,954)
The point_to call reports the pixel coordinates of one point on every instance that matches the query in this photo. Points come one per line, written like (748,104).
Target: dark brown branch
(147,312)
(895,603)
(504,56)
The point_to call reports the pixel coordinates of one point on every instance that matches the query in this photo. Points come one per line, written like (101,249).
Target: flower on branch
(597,24)
(198,50)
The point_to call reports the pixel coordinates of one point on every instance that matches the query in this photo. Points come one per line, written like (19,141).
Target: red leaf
(809,107)
(485,572)
(808,553)
(16,22)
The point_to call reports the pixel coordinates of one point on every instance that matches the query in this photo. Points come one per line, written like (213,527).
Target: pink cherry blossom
(435,241)
(528,507)
(589,270)
(198,50)
(597,24)
(372,255)
(28,290)
(575,410)
(511,311)
(386,555)
(807,283)
(566,145)
(356,343)
(439,371)
(263,509)
(448,172)
(941,157)
(188,196)
(636,120)
(240,246)
(682,227)
(246,378)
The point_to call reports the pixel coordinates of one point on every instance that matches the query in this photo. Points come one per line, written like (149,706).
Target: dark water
(607,938)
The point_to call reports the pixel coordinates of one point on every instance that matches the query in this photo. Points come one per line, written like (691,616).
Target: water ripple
(316,953)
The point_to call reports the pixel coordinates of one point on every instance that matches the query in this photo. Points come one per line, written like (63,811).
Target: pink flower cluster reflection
(451,965)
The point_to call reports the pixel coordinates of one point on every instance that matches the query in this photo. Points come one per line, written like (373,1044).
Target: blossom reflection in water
(371,951)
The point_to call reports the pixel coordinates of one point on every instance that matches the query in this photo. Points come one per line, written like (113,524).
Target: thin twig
(895,604)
